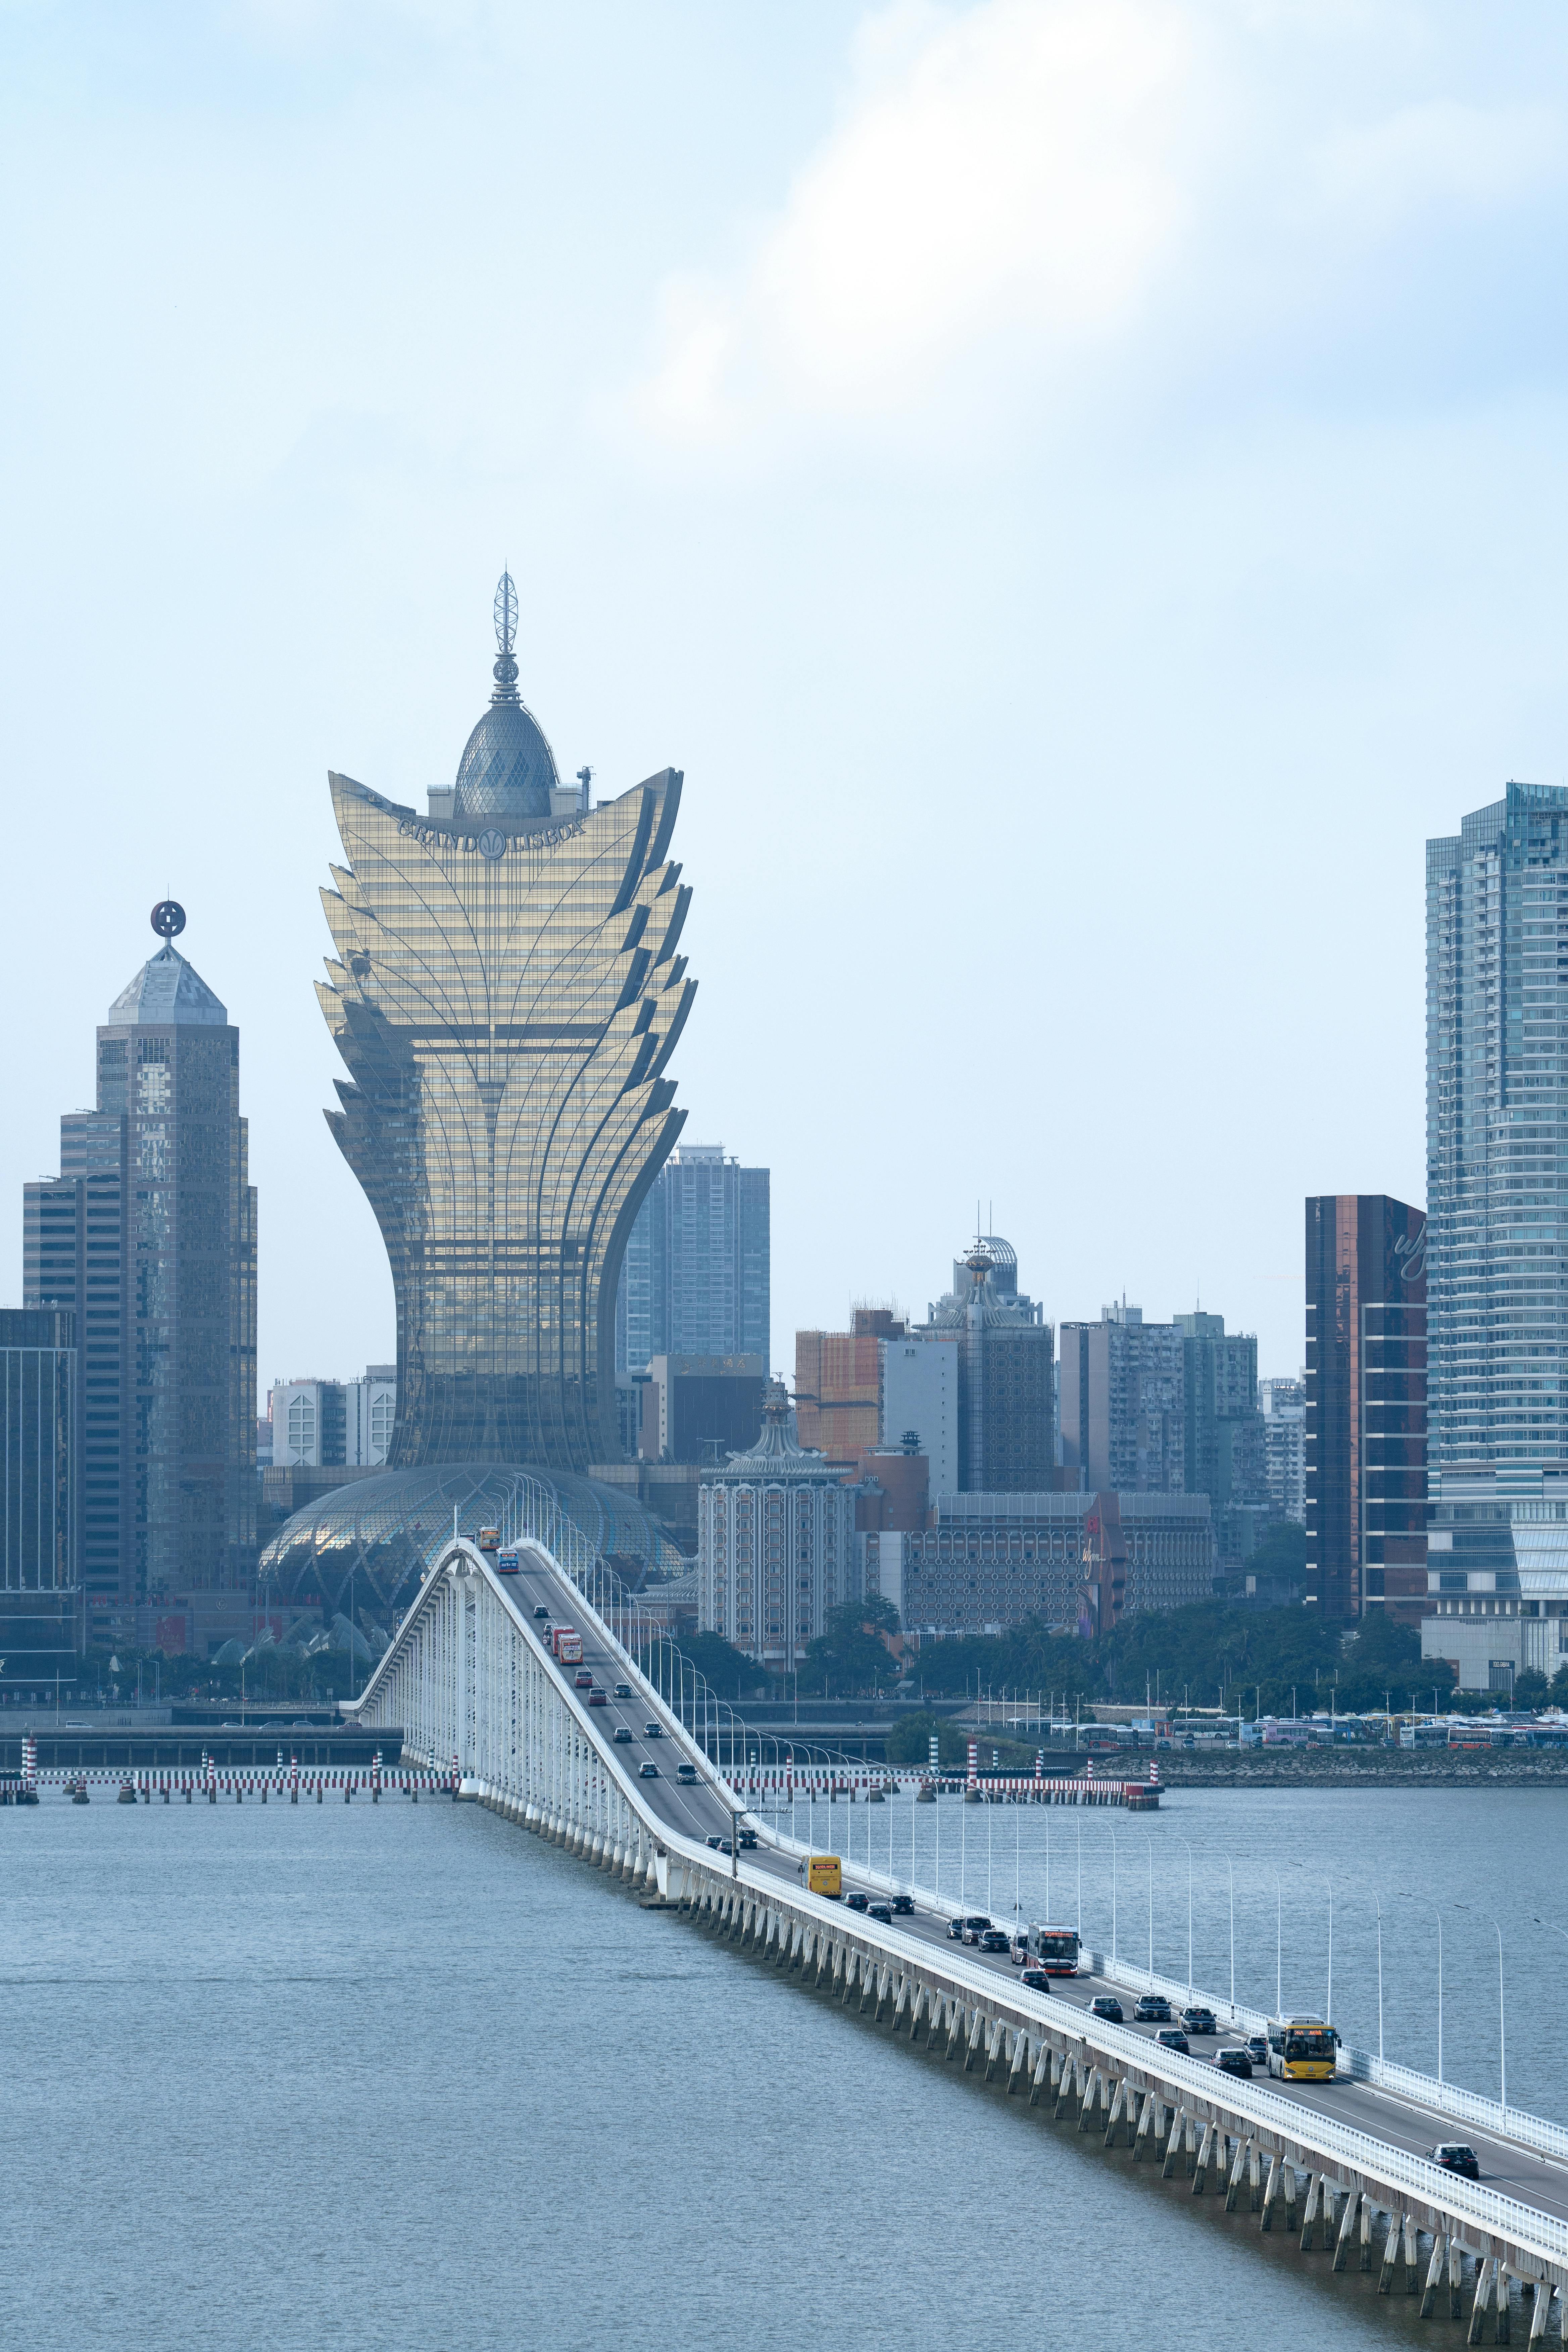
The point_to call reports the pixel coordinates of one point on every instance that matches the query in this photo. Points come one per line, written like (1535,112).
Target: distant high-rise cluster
(695,1278)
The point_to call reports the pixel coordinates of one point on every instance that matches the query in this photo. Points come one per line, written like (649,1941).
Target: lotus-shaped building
(506,993)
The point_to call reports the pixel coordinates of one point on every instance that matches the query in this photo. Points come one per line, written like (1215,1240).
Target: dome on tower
(508,769)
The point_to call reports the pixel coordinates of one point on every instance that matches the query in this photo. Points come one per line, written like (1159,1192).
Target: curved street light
(1187,1842)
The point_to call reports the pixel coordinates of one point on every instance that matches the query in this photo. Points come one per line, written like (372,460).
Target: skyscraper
(1124,1402)
(694,1281)
(149,1233)
(1223,1446)
(1006,1373)
(506,993)
(1366,1406)
(1497,1188)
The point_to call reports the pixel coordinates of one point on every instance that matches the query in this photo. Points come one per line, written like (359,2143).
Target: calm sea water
(401,2076)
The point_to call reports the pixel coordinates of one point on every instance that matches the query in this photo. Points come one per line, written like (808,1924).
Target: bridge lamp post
(1280,1950)
(1379,1907)
(1113,1898)
(1149,1844)
(1230,1868)
(1329,2007)
(1188,1844)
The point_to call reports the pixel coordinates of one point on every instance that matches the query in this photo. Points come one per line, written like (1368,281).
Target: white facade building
(1283,1405)
(776,1543)
(320,1424)
(917,1391)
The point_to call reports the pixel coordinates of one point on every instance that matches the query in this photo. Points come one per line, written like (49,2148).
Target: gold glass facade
(506,993)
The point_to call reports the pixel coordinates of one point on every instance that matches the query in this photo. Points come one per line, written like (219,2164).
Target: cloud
(1009,168)
(1443,150)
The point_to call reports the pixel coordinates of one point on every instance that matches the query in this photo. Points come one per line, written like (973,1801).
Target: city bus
(1055,1949)
(1302,2049)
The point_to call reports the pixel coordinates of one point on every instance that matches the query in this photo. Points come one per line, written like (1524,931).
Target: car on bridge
(1196,2018)
(1106,2005)
(1233,2061)
(904,1904)
(857,1899)
(686,1775)
(969,1931)
(623,1734)
(647,1769)
(651,1731)
(995,1939)
(1456,2155)
(1152,2008)
(583,1678)
(1037,1980)
(748,1840)
(1172,2038)
(542,1611)
(1258,2049)
(623,1690)
(882,1911)
(596,1698)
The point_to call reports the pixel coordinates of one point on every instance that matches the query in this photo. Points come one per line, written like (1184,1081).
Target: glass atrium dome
(384,1532)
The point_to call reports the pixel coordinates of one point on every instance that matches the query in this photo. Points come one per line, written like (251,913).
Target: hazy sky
(1078,485)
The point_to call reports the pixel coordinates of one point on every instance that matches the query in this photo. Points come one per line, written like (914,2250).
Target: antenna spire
(505,672)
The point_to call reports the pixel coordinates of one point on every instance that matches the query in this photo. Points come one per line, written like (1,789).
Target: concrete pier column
(1456,2280)
(1412,2255)
(1189,2144)
(1389,2255)
(1174,2144)
(1233,2185)
(958,2022)
(1272,2193)
(1254,2177)
(1089,2101)
(996,2044)
(1018,2072)
(1309,2217)
(1200,2170)
(1041,2076)
(1434,2276)
(1502,2305)
(1542,2304)
(1364,2259)
(901,2004)
(1484,2285)
(919,2013)
(1117,2108)
(1142,2136)
(1291,2189)
(1065,2080)
(1346,2229)
(976,2036)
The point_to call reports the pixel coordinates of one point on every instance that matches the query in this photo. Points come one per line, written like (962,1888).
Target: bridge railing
(1336,2147)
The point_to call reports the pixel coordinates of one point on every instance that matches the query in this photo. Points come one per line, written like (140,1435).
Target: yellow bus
(1302,2049)
(824,1876)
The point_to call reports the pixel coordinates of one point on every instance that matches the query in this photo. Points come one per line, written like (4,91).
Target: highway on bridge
(701,1812)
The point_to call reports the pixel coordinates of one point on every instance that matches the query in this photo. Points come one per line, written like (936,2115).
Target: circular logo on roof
(492,844)
(168,919)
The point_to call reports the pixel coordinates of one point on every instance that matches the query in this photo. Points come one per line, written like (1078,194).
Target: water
(404,2076)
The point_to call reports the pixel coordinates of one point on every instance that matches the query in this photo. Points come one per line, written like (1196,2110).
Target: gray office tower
(149,1233)
(695,1279)
(1496,1272)
(40,1618)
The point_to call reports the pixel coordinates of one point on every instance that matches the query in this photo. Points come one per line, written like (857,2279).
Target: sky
(1078,486)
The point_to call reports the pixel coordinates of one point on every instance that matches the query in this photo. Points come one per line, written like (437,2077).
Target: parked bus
(1055,1949)
(1302,2049)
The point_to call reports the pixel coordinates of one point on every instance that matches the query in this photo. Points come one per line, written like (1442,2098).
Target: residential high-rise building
(1005,1354)
(1223,1453)
(1497,1196)
(694,1281)
(1283,1406)
(1123,1403)
(506,992)
(149,1236)
(916,1396)
(1365,1406)
(837,1385)
(776,1543)
(329,1424)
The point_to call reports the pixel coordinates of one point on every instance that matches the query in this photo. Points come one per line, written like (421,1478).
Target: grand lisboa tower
(506,993)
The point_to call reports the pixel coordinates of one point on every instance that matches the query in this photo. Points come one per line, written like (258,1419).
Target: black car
(857,1899)
(542,1613)
(904,1904)
(1106,2005)
(1258,2049)
(1152,2008)
(623,1732)
(651,1731)
(1198,2019)
(995,1939)
(1172,2038)
(623,1690)
(1037,1980)
(748,1840)
(1233,2062)
(1456,2155)
(883,1911)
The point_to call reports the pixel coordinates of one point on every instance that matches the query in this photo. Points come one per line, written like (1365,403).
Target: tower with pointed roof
(506,993)
(149,1233)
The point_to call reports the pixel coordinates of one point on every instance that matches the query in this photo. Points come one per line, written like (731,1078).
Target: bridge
(477,1694)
